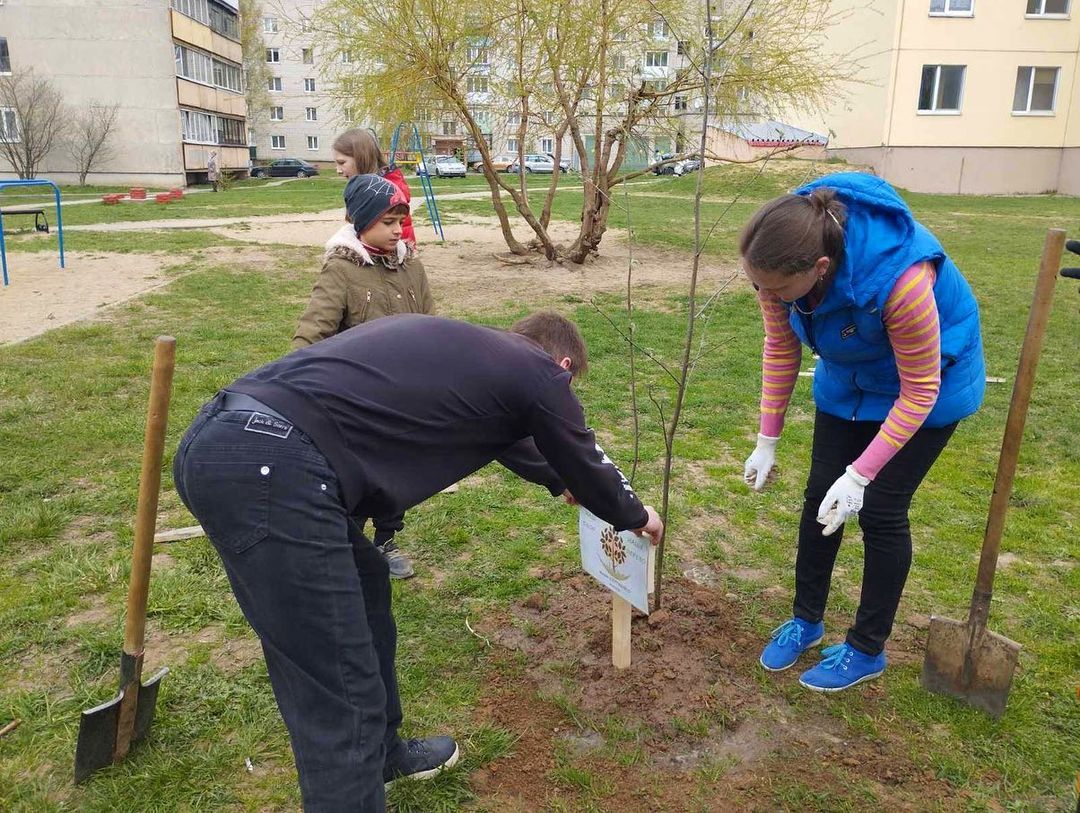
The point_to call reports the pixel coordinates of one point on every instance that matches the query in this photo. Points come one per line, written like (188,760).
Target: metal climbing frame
(425,178)
(59,219)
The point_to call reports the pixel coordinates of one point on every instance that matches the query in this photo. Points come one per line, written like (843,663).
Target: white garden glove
(843,500)
(760,464)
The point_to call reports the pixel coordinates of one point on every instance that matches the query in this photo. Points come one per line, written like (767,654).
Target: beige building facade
(960,96)
(174,74)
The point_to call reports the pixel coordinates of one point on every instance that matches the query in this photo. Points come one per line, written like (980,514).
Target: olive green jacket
(355,286)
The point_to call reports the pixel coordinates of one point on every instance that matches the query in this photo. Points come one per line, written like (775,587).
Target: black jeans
(883,519)
(313,588)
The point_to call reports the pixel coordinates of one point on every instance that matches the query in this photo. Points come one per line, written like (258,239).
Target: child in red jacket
(356,152)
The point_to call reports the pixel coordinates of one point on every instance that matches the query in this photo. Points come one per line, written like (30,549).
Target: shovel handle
(157,416)
(1014,424)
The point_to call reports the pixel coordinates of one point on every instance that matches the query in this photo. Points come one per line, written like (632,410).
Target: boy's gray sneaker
(399,561)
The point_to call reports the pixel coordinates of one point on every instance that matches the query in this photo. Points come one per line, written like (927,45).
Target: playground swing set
(41,222)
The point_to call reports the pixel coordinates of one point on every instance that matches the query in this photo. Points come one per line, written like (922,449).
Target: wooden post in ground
(620,632)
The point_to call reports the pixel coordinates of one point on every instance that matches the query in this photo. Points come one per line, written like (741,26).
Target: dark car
(285,168)
(666,169)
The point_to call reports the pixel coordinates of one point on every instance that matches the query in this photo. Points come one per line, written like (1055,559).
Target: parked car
(564,163)
(534,163)
(285,168)
(666,169)
(499,163)
(687,165)
(447,166)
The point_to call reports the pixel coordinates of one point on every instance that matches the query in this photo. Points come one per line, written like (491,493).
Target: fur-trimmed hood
(345,242)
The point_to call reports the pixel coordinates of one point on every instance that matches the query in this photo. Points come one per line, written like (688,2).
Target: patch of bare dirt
(713,738)
(227,654)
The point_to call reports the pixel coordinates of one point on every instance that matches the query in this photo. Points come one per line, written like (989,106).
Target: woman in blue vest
(842,267)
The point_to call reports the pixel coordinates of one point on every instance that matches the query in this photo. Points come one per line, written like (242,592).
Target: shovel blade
(98,728)
(978,673)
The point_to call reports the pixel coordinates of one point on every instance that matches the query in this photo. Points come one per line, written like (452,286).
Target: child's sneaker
(422,759)
(400,564)
(789,641)
(842,667)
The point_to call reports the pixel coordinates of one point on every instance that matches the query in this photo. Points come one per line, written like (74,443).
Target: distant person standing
(213,174)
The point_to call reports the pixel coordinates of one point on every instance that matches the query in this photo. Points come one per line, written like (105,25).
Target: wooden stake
(179,533)
(9,727)
(620,632)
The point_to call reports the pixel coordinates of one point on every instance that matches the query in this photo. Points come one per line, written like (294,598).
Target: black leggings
(883,519)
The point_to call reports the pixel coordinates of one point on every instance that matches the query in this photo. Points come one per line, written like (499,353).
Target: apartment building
(174,74)
(962,96)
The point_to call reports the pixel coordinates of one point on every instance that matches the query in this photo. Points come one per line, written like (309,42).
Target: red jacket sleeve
(395,176)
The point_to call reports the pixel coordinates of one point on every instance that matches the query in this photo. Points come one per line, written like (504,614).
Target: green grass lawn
(72,406)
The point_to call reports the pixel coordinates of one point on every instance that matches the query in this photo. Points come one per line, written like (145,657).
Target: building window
(953,8)
(681,103)
(311,114)
(230,131)
(512,145)
(313,142)
(273,55)
(684,48)
(308,56)
(547,145)
(656,59)
(198,127)
(5,58)
(478,55)
(1035,89)
(277,142)
(270,25)
(277,114)
(476,84)
(195,9)
(9,125)
(513,118)
(616,90)
(618,62)
(942,88)
(309,85)
(230,77)
(449,128)
(1048,8)
(659,29)
(346,57)
(193,65)
(273,84)
(224,21)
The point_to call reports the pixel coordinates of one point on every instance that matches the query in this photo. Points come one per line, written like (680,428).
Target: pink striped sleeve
(780,361)
(911,319)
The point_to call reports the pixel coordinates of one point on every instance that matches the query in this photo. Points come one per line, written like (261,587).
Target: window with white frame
(449,128)
(656,59)
(346,57)
(512,145)
(193,65)
(952,8)
(307,56)
(270,25)
(309,85)
(513,118)
(681,103)
(547,145)
(273,84)
(1035,90)
(478,55)
(230,77)
(277,142)
(9,125)
(1048,8)
(5,57)
(273,55)
(197,127)
(313,142)
(616,90)
(482,118)
(277,114)
(942,88)
(311,114)
(224,21)
(476,84)
(618,62)
(659,29)
(195,9)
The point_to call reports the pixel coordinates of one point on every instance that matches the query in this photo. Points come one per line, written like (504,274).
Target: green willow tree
(591,70)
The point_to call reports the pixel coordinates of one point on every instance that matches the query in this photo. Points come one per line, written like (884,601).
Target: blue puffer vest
(856,377)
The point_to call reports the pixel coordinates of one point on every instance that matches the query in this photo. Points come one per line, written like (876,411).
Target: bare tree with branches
(33,122)
(89,144)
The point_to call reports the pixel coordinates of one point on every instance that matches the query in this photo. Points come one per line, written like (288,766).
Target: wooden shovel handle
(157,417)
(1014,425)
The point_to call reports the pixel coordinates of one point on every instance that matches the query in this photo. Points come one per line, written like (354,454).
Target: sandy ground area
(471,271)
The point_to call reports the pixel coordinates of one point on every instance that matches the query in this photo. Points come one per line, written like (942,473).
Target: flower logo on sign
(615,550)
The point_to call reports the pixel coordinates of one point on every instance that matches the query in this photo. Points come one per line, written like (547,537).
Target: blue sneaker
(789,641)
(842,667)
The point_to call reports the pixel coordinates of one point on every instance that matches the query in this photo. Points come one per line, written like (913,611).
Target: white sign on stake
(619,560)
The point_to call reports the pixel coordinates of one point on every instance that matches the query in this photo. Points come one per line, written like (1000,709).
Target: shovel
(107,732)
(966,660)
